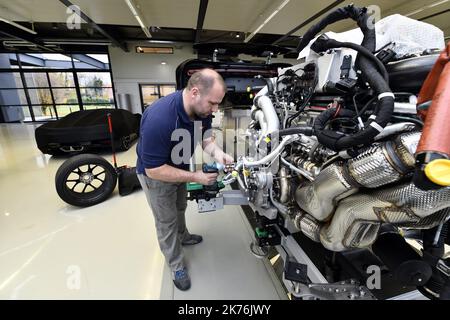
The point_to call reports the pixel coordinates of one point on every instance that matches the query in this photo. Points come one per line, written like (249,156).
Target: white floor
(51,250)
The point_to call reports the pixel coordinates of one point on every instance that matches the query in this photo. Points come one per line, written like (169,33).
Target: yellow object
(267,139)
(246,172)
(251,96)
(438,171)
(249,89)
(234,174)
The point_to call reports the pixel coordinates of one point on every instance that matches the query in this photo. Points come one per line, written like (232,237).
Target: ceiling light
(163,63)
(139,19)
(18,25)
(281,6)
(131,6)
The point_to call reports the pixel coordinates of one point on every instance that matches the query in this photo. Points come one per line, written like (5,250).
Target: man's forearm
(170,174)
(214,151)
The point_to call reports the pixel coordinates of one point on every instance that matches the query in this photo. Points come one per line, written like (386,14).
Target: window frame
(158,85)
(22,71)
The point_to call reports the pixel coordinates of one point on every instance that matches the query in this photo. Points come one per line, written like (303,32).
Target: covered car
(87,130)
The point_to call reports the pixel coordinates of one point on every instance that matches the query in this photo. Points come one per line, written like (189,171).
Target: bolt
(362,293)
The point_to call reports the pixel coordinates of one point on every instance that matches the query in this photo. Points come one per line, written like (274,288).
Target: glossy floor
(51,250)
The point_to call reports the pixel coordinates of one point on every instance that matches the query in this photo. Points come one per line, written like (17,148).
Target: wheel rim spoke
(95,188)
(95,176)
(84,189)
(74,186)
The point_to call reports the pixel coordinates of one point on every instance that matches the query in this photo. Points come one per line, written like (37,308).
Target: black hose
(307,131)
(373,72)
(323,44)
(310,94)
(349,11)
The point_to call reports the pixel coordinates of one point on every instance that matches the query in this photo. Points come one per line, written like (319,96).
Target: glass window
(51,93)
(64,110)
(43,113)
(36,80)
(13,97)
(40,96)
(103,106)
(25,111)
(10,80)
(150,94)
(61,79)
(50,56)
(165,90)
(100,57)
(94,79)
(45,61)
(97,95)
(17,112)
(63,96)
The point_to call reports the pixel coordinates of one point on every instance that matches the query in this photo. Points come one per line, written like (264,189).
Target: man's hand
(205,178)
(216,152)
(226,159)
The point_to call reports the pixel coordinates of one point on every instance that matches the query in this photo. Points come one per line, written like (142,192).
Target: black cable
(323,44)
(308,98)
(413,120)
(363,110)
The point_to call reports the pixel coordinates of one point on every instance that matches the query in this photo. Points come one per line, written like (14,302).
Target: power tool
(209,197)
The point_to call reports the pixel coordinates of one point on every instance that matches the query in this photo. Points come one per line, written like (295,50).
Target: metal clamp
(345,290)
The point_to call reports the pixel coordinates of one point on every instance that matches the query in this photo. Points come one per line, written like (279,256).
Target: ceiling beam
(83,16)
(32,60)
(434,15)
(310,19)
(200,19)
(18,34)
(89,60)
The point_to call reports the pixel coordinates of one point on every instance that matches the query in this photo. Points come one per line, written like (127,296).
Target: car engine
(353,157)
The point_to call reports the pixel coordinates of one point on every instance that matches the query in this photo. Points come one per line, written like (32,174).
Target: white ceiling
(233,15)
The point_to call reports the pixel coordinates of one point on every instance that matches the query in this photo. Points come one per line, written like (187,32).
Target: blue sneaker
(181,279)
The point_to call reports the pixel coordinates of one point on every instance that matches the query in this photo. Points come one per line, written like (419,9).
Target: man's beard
(200,115)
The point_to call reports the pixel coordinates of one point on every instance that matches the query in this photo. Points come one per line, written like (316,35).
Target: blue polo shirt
(164,125)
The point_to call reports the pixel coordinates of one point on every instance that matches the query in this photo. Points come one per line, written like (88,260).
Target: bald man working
(163,173)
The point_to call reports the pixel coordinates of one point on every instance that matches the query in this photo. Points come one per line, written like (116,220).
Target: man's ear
(195,92)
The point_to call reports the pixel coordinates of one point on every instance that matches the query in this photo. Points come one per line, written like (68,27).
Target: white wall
(131,68)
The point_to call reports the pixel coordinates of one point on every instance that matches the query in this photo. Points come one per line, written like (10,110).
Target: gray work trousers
(168,203)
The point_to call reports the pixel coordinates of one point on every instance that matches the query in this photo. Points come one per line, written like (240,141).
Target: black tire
(85,180)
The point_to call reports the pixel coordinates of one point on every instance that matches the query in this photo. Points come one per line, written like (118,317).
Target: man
(161,173)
